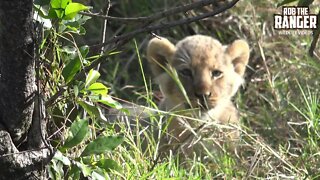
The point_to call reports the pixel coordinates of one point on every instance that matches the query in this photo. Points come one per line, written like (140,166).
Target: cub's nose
(204,95)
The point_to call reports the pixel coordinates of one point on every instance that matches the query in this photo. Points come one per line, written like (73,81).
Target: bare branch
(156,16)
(104,29)
(171,24)
(105,23)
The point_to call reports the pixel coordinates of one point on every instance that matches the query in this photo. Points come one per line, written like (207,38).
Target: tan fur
(210,73)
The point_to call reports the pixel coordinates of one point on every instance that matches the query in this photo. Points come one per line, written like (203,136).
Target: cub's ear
(159,53)
(239,53)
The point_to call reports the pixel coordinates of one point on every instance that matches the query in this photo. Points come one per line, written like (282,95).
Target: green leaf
(57,4)
(70,51)
(107,100)
(71,69)
(62,28)
(52,14)
(82,30)
(59,156)
(102,144)
(96,176)
(73,26)
(74,172)
(80,85)
(76,90)
(78,18)
(92,110)
(85,169)
(72,9)
(59,13)
(84,50)
(98,88)
(77,133)
(109,164)
(92,77)
(56,169)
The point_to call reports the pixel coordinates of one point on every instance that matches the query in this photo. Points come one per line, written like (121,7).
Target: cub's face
(209,72)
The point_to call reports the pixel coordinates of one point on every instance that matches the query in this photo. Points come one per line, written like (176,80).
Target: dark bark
(22,155)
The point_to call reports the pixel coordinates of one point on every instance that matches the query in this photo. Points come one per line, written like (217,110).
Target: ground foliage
(279,103)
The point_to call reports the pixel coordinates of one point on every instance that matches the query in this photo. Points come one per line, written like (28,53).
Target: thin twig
(156,16)
(104,29)
(105,23)
(170,24)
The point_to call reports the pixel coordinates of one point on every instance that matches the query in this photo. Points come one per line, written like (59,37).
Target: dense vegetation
(279,103)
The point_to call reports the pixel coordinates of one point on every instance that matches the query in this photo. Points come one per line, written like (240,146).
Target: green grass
(279,104)
(279,107)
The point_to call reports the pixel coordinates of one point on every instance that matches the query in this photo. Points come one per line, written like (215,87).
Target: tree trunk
(22,151)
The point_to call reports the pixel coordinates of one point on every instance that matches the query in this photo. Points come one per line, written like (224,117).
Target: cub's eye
(216,74)
(185,72)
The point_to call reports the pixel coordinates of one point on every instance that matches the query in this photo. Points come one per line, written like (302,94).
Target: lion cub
(211,74)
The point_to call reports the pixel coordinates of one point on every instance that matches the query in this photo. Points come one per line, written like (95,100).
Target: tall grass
(279,104)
